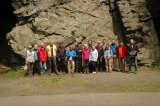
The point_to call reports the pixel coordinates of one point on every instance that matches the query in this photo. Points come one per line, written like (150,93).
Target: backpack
(30,57)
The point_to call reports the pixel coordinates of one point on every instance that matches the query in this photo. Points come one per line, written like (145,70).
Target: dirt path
(144,81)
(100,99)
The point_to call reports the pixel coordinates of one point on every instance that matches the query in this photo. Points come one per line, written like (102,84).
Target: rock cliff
(69,21)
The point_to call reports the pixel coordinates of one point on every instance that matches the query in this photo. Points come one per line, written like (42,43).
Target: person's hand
(26,62)
(65,59)
(82,62)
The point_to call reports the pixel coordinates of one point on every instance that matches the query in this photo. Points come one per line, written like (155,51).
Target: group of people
(83,58)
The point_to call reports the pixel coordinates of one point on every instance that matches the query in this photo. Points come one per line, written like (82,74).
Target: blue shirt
(36,55)
(114,49)
(68,53)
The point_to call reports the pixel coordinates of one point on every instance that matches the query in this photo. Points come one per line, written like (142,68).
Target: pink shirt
(85,54)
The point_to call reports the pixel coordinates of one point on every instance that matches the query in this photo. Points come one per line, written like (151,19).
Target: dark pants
(86,66)
(36,68)
(30,68)
(99,64)
(93,66)
(62,65)
(79,64)
(52,65)
(133,62)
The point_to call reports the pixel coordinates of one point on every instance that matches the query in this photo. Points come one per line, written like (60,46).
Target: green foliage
(156,65)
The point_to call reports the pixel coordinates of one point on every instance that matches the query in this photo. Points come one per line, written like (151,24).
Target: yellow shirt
(54,50)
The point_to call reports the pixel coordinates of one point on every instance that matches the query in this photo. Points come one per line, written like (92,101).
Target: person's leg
(31,69)
(87,66)
(61,64)
(103,64)
(28,69)
(94,66)
(114,62)
(120,64)
(50,65)
(130,64)
(44,67)
(123,65)
(73,66)
(69,67)
(55,65)
(136,65)
(37,67)
(79,64)
(41,67)
(106,65)
(76,64)
(110,65)
(91,66)
(98,65)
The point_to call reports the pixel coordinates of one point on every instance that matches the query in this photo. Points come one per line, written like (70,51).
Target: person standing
(103,59)
(108,58)
(113,46)
(99,48)
(52,54)
(122,54)
(133,51)
(85,58)
(90,44)
(29,58)
(93,59)
(61,55)
(71,54)
(36,61)
(42,54)
(78,50)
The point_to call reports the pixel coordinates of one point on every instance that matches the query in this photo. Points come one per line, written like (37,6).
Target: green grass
(12,74)
(140,87)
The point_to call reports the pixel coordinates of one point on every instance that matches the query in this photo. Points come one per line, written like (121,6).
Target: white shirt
(93,55)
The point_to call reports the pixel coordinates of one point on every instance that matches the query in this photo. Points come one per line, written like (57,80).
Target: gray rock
(70,21)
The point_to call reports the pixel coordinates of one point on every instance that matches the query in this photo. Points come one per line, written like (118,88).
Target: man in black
(78,50)
(133,50)
(61,55)
(99,48)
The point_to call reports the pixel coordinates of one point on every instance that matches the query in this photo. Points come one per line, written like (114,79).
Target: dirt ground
(144,81)
(98,99)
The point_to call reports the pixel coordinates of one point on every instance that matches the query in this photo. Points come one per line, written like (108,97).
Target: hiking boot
(135,72)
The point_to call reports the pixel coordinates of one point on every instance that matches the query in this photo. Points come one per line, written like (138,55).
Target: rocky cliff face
(133,19)
(69,21)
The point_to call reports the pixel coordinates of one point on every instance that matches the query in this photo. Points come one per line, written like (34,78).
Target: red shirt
(42,54)
(122,52)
